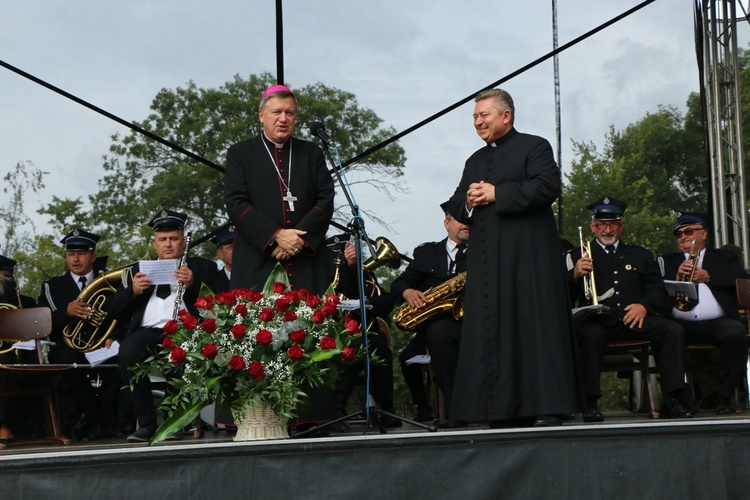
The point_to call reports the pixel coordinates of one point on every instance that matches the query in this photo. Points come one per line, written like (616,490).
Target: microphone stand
(357,228)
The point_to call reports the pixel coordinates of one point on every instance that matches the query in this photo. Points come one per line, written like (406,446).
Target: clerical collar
(502,140)
(276,144)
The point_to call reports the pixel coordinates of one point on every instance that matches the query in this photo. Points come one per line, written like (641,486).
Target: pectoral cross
(290,199)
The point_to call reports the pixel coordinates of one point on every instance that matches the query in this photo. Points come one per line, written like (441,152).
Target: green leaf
(277,274)
(177,421)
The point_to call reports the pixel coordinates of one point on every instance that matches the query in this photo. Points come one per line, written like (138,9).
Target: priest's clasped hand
(479,194)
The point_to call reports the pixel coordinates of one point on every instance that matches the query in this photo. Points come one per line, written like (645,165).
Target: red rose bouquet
(249,346)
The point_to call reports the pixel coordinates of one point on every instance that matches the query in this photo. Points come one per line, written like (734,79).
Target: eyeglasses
(687,232)
(613,224)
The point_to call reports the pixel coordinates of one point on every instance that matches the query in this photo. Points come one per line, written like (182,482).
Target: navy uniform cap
(7,263)
(224,238)
(690,218)
(167,220)
(607,208)
(78,239)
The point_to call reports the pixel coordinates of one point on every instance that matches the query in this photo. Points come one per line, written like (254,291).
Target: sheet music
(586,310)
(30,345)
(419,359)
(160,272)
(677,289)
(97,356)
(351,305)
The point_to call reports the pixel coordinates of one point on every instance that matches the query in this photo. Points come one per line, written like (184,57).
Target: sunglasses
(687,232)
(612,224)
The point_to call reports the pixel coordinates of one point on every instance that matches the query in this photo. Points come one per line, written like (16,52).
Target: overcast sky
(404,59)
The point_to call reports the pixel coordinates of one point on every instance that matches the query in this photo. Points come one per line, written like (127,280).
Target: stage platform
(627,456)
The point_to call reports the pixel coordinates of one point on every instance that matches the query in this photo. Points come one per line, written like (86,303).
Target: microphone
(319,130)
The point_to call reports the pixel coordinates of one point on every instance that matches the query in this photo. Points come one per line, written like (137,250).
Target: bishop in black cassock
(279,195)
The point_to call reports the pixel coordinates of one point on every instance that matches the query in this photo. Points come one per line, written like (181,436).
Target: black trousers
(729,335)
(443,338)
(667,343)
(381,374)
(413,373)
(77,395)
(135,348)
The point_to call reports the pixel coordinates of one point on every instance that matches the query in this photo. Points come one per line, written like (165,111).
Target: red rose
(264,337)
(256,370)
(348,353)
(352,325)
(329,309)
(266,314)
(313,301)
(254,296)
(167,342)
(239,331)
(177,355)
(333,298)
(209,325)
(302,295)
(295,352)
(190,322)
(241,309)
(278,287)
(182,314)
(282,304)
(290,316)
(237,363)
(298,336)
(209,351)
(171,327)
(206,302)
(318,316)
(327,342)
(226,299)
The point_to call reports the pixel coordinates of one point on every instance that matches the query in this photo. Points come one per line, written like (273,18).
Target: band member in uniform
(224,242)
(714,318)
(434,264)
(10,297)
(629,283)
(145,308)
(378,340)
(82,413)
(517,361)
(279,195)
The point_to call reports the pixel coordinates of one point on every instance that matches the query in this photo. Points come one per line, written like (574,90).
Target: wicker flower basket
(259,422)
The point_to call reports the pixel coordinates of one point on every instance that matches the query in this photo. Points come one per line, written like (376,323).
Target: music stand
(357,228)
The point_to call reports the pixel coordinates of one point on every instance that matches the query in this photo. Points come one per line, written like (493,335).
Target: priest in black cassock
(516,362)
(279,195)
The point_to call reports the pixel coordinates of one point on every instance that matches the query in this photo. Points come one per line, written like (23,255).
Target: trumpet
(683,302)
(589,284)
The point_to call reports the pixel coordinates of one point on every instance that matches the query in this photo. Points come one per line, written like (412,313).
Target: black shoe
(175,436)
(142,435)
(688,402)
(725,406)
(125,429)
(672,408)
(512,423)
(592,414)
(95,432)
(424,413)
(390,422)
(449,423)
(83,428)
(547,421)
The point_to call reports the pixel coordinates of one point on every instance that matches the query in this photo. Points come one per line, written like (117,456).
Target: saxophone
(446,298)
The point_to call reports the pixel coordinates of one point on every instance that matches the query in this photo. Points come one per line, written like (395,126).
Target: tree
(656,165)
(143,175)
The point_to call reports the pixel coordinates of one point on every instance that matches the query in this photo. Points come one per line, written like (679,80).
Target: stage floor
(357,428)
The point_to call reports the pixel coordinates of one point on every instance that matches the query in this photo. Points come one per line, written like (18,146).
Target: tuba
(88,334)
(683,302)
(387,255)
(6,347)
(446,298)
